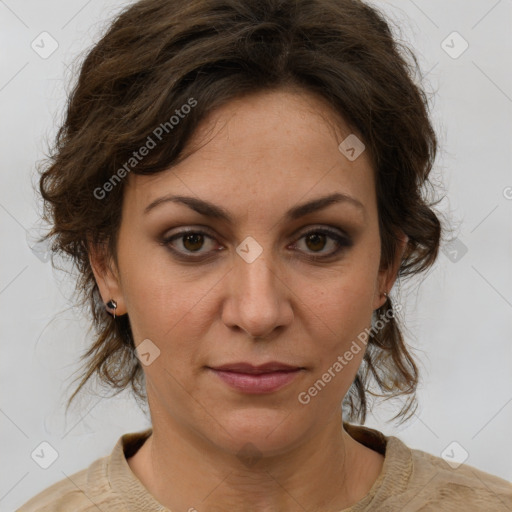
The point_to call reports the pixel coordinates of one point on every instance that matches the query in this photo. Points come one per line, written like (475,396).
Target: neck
(329,471)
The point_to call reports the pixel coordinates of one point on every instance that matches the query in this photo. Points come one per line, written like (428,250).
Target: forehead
(269,148)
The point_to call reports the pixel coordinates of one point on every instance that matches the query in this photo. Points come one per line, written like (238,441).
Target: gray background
(458,317)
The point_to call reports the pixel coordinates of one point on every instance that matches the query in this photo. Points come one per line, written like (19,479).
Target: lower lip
(257,383)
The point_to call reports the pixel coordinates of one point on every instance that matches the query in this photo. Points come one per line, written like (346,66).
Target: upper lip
(272,366)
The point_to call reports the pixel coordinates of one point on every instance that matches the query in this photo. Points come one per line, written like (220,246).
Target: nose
(258,299)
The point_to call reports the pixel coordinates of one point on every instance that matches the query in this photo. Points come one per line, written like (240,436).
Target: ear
(107,276)
(387,276)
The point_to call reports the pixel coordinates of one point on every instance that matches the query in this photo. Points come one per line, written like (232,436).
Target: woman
(240,184)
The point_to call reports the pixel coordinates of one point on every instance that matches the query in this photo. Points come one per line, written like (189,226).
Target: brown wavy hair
(155,56)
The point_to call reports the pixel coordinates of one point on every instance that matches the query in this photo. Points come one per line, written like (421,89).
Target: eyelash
(343,242)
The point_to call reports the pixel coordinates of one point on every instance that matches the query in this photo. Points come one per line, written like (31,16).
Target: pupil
(316,238)
(197,238)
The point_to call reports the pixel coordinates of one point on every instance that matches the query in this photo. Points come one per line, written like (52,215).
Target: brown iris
(196,241)
(318,240)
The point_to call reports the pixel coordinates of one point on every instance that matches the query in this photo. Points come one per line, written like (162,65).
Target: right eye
(190,242)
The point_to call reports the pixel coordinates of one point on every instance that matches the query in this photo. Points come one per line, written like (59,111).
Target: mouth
(250,379)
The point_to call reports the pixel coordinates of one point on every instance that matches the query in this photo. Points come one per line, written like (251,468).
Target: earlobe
(112,306)
(107,280)
(387,277)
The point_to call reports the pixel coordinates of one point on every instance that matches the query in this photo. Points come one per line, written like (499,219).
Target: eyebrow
(217,212)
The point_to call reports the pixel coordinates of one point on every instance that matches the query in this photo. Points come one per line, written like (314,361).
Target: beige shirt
(410,481)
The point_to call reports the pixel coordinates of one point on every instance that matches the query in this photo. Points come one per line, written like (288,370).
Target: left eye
(315,241)
(318,239)
(192,241)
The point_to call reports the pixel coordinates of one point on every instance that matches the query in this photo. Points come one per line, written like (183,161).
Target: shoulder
(435,485)
(82,491)
(105,485)
(412,480)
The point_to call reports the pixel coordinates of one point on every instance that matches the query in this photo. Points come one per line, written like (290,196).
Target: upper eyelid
(305,229)
(330,231)
(299,233)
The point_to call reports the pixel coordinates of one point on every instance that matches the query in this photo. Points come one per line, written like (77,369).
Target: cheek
(341,306)
(343,297)
(161,304)
(342,310)
(167,301)
(155,296)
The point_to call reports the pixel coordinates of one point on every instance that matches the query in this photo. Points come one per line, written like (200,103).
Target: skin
(256,157)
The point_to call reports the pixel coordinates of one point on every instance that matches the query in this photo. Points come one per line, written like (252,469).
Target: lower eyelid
(176,236)
(342,241)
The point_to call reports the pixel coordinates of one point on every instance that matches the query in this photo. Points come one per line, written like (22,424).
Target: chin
(270,431)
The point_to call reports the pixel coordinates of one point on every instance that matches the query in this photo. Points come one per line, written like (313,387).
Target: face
(238,272)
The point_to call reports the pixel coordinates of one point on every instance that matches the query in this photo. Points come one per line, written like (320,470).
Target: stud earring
(112,304)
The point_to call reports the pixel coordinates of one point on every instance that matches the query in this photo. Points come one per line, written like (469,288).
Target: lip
(265,378)
(242,367)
